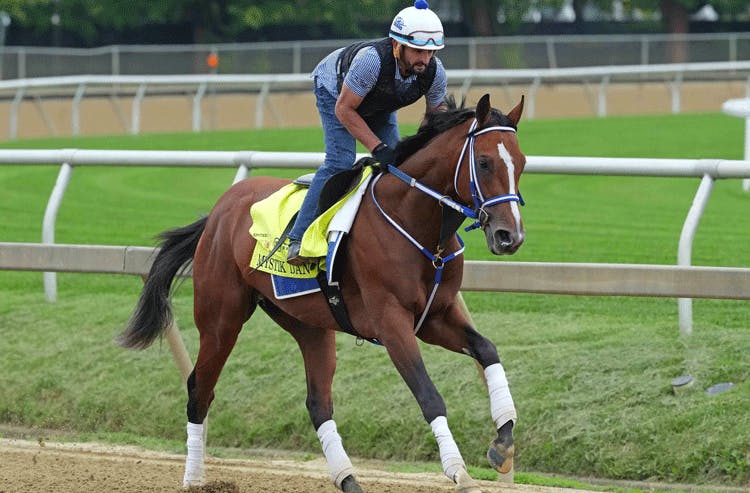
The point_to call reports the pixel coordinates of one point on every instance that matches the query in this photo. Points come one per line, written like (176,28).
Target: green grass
(590,375)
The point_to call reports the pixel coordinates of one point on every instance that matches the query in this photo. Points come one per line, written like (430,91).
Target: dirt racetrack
(36,466)
(103,114)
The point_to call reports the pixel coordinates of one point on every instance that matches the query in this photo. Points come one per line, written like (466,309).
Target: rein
(478,212)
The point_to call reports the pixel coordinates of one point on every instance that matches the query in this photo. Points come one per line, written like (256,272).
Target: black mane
(440,121)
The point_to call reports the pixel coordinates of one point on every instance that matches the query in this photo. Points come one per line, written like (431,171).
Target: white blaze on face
(505,156)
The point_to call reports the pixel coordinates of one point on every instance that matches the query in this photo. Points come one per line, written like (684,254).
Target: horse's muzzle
(502,241)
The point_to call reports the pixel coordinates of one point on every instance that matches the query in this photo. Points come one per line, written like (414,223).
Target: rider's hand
(384,155)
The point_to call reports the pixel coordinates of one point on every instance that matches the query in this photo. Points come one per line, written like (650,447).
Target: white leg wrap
(502,408)
(339,465)
(450,457)
(194,464)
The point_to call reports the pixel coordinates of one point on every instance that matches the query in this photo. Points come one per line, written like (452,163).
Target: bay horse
(465,160)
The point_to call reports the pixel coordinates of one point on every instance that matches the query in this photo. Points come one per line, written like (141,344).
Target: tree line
(100,22)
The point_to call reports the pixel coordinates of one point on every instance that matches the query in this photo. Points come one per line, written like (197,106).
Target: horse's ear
(515,113)
(483,111)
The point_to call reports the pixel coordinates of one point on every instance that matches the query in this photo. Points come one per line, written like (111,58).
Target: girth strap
(335,301)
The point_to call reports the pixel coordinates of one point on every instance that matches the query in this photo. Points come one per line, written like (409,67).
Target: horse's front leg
(454,331)
(403,350)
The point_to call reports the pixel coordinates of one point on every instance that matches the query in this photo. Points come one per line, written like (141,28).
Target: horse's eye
(484,163)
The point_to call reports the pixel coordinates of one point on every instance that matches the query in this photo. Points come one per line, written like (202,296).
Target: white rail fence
(528,277)
(592,279)
(596,279)
(595,80)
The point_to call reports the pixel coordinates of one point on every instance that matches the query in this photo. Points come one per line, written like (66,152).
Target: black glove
(384,155)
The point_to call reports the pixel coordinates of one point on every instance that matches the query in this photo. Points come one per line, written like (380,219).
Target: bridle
(480,202)
(478,213)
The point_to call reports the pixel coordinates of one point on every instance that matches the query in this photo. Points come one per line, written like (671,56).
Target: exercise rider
(358,89)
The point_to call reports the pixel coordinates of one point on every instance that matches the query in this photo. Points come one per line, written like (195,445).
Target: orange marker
(212,60)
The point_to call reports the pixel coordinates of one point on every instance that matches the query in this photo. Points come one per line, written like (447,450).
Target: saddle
(342,183)
(326,236)
(273,217)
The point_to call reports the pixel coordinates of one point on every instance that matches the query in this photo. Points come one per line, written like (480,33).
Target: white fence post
(135,122)
(14,106)
(685,248)
(197,110)
(241,174)
(75,113)
(261,101)
(48,225)
(676,89)
(741,108)
(602,99)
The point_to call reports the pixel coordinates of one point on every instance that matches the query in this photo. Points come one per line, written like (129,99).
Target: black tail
(153,314)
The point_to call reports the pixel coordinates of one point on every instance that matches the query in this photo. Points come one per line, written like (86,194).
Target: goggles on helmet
(422,39)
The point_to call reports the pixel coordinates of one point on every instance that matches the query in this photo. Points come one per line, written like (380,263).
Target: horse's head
(480,150)
(488,172)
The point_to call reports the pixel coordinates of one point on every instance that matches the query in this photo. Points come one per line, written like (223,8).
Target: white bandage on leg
(339,465)
(450,457)
(194,464)
(502,408)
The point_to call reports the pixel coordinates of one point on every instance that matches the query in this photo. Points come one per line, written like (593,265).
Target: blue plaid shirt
(363,74)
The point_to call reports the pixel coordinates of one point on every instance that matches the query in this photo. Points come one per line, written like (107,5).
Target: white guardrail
(592,279)
(79,86)
(525,277)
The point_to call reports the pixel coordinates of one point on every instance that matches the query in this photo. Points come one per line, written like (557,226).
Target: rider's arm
(435,97)
(346,112)
(359,81)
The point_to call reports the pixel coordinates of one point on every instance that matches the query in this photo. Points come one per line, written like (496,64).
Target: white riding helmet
(418,27)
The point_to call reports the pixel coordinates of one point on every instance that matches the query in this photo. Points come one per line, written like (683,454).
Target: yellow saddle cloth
(271,215)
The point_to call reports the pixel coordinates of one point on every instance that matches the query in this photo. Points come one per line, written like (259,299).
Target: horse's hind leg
(454,331)
(219,315)
(318,347)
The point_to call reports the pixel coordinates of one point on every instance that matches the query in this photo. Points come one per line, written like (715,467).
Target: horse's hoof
(500,457)
(464,483)
(193,485)
(468,489)
(350,485)
(223,486)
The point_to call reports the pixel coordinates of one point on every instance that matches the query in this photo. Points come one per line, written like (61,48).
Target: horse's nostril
(503,237)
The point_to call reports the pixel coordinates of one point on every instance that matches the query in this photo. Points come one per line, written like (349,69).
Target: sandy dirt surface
(36,466)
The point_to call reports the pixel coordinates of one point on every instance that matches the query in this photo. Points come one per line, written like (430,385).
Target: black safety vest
(383,98)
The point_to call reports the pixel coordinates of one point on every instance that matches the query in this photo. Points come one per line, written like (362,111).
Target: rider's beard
(415,68)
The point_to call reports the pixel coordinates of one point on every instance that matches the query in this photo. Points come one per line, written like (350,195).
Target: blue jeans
(340,149)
